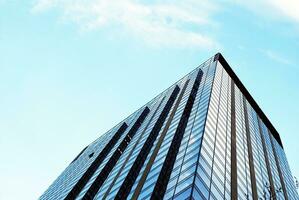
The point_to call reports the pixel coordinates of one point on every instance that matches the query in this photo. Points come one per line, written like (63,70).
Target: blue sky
(71,69)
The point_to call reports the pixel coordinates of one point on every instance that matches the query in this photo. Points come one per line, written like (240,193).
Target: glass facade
(202,138)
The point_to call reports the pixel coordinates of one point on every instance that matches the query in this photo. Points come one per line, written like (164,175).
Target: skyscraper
(202,138)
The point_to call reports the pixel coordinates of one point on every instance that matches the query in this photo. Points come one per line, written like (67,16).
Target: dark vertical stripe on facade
(250,155)
(95,164)
(91,192)
(234,179)
(205,121)
(79,154)
(127,184)
(159,143)
(283,187)
(129,155)
(272,190)
(161,184)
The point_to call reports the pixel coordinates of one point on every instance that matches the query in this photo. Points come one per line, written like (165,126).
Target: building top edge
(218,57)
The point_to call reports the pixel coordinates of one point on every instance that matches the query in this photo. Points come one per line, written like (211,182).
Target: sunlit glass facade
(202,138)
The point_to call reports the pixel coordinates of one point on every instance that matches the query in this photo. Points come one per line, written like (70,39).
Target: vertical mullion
(164,175)
(191,133)
(216,130)
(283,187)
(234,179)
(159,143)
(272,190)
(226,136)
(127,184)
(205,123)
(250,156)
(129,155)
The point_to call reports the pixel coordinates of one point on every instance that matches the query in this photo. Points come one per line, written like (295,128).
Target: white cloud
(162,23)
(277,9)
(276,57)
(42,5)
(166,23)
(288,8)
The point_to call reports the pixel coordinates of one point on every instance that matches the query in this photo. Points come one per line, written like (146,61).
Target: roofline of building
(261,114)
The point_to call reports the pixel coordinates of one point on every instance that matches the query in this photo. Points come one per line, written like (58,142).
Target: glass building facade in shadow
(202,138)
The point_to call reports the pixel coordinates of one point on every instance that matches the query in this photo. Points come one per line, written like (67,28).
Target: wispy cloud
(276,57)
(165,23)
(288,8)
(276,9)
(162,23)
